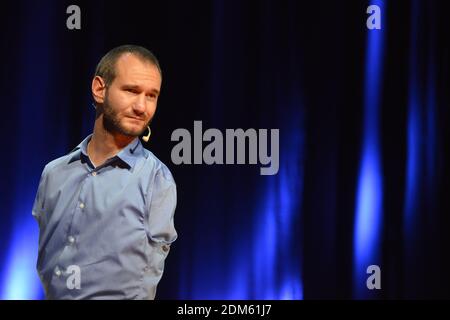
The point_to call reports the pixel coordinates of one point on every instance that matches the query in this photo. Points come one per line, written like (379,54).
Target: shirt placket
(73,231)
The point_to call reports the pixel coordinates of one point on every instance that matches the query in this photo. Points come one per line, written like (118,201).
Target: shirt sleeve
(160,225)
(38,205)
(162,208)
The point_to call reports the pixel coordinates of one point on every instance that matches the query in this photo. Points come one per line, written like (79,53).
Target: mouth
(136,119)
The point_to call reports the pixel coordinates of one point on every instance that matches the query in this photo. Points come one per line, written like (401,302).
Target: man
(105,210)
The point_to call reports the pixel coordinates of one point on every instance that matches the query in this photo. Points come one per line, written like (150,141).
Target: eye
(131,90)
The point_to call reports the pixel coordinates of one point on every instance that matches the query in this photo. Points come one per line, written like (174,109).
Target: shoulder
(60,162)
(160,169)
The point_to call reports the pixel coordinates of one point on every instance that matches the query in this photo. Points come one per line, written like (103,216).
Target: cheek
(118,102)
(121,99)
(151,109)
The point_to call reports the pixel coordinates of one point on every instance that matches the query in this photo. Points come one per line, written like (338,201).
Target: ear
(98,89)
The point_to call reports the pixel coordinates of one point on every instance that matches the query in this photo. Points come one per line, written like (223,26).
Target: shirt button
(71,239)
(82,205)
(57,272)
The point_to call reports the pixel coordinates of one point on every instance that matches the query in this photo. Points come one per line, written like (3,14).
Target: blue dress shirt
(104,232)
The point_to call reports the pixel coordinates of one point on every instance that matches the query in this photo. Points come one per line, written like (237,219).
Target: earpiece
(147,137)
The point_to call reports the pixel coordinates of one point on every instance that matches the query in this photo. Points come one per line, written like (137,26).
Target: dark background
(363,139)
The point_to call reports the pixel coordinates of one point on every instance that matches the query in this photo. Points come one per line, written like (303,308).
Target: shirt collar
(127,155)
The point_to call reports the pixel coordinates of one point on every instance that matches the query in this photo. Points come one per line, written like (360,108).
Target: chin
(132,130)
(127,131)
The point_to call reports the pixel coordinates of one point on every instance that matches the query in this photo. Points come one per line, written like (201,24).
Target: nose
(139,104)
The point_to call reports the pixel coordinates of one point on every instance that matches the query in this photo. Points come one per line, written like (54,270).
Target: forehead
(130,68)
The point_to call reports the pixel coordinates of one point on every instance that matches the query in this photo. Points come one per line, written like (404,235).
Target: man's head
(125,88)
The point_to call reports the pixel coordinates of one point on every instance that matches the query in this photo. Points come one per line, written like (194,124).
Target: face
(129,102)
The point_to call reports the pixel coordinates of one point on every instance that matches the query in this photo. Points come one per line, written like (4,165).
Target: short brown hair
(106,68)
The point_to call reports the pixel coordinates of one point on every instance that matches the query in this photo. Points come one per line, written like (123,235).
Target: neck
(104,144)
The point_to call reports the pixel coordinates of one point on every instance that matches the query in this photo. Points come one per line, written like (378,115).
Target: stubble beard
(111,122)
